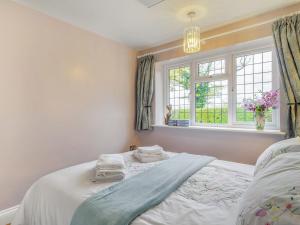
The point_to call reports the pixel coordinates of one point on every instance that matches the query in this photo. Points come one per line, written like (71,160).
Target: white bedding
(209,197)
(273,198)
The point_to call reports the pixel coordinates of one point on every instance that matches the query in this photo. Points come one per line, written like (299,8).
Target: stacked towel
(110,167)
(110,162)
(149,154)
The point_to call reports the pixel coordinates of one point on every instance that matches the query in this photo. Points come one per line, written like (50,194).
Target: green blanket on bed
(121,203)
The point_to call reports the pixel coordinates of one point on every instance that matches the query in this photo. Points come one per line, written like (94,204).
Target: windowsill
(225,129)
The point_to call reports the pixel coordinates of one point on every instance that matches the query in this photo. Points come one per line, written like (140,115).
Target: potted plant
(261,105)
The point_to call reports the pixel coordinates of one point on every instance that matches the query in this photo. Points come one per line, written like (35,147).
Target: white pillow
(288,145)
(273,197)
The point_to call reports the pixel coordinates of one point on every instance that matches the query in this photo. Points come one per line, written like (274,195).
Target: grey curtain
(144,92)
(286,33)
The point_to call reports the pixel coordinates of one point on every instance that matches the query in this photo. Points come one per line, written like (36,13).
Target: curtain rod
(219,35)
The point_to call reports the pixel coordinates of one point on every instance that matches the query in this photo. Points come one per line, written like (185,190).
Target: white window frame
(275,124)
(167,83)
(229,55)
(225,76)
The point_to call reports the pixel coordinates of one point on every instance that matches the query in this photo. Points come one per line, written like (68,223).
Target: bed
(210,196)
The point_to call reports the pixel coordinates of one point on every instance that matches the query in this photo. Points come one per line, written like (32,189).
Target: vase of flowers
(260,120)
(261,105)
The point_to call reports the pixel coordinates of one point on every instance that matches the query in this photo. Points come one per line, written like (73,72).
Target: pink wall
(66,95)
(227,145)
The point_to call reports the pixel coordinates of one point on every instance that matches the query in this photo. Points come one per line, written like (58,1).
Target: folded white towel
(109,175)
(111,178)
(155,150)
(110,162)
(147,158)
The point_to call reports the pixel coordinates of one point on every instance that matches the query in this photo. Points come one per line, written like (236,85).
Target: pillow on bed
(273,197)
(288,145)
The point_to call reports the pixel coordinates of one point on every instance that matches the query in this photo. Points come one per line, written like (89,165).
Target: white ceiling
(132,23)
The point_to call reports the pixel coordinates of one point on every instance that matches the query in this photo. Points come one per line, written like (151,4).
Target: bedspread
(208,197)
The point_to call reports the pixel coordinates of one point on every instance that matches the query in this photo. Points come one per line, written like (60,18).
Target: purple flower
(249,105)
(271,99)
(268,100)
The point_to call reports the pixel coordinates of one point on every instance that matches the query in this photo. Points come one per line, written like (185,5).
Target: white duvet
(209,197)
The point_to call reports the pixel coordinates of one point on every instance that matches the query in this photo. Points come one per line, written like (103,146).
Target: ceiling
(132,23)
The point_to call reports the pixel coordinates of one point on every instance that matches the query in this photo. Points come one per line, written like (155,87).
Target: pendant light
(191,39)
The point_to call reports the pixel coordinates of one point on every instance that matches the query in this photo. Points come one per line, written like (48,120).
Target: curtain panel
(286,33)
(144,92)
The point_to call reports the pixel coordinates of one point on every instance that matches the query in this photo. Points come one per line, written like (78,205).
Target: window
(179,91)
(209,89)
(253,77)
(211,92)
(211,68)
(211,100)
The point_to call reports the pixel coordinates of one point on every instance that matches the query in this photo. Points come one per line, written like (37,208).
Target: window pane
(267,56)
(240,79)
(211,68)
(179,92)
(211,102)
(253,76)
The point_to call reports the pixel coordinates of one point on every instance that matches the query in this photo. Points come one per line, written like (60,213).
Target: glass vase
(260,120)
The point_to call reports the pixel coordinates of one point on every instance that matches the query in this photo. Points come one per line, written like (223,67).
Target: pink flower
(261,213)
(271,99)
(268,100)
(249,105)
(289,206)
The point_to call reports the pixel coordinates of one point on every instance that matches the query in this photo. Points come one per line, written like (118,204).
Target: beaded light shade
(191,39)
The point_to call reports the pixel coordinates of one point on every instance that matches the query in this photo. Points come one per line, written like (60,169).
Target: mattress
(209,197)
